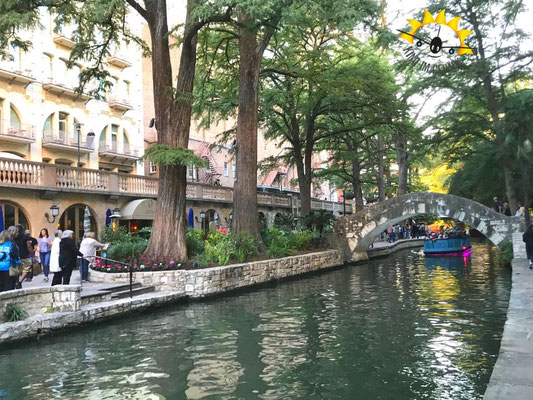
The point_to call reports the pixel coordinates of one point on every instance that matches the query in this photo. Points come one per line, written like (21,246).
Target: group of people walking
(506,209)
(19,252)
(407,231)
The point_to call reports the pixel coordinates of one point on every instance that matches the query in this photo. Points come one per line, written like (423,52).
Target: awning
(138,209)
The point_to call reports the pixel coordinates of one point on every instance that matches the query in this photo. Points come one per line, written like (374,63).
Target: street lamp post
(78,129)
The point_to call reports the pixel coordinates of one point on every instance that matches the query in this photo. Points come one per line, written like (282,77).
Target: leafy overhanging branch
(163,154)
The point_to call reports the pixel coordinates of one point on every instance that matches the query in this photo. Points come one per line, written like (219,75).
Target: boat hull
(452,247)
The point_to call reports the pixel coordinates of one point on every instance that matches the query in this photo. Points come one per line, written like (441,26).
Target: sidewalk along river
(404,327)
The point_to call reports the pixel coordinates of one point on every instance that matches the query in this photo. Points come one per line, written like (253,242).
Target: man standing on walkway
(26,251)
(497,205)
(528,239)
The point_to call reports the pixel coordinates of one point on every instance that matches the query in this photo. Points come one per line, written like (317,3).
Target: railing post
(113,183)
(49,175)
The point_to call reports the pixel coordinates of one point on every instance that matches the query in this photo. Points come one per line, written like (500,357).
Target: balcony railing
(17,132)
(115,149)
(64,86)
(65,139)
(119,103)
(10,72)
(53,177)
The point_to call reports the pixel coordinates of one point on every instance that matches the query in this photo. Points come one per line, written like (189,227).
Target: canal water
(404,327)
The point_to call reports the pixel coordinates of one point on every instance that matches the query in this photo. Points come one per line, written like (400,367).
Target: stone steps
(104,293)
(135,292)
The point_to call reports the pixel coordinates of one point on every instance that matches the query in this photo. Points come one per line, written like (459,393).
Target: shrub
(195,242)
(320,220)
(201,260)
(245,246)
(506,252)
(120,234)
(285,222)
(279,245)
(222,249)
(126,249)
(13,312)
(300,240)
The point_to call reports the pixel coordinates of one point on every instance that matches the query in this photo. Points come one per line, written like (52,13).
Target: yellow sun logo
(436,43)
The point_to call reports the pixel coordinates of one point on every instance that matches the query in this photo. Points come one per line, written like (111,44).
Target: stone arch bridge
(357,231)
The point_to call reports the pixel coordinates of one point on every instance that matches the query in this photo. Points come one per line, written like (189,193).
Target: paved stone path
(38,281)
(512,376)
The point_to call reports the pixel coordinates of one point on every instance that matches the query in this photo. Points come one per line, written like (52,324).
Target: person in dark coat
(528,239)
(68,259)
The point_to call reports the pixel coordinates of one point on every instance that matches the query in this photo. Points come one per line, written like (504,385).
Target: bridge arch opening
(359,230)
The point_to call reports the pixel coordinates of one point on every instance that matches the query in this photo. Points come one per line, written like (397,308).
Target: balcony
(61,140)
(64,88)
(115,154)
(11,74)
(59,178)
(119,62)
(64,41)
(119,104)
(16,132)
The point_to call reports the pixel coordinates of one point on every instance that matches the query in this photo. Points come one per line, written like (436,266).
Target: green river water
(403,327)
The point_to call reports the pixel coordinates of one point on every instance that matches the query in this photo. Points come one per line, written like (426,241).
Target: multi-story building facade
(47,126)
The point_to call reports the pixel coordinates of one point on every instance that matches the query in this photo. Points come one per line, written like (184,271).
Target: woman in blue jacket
(7,258)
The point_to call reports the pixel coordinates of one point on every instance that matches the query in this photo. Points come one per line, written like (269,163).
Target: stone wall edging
(36,301)
(202,282)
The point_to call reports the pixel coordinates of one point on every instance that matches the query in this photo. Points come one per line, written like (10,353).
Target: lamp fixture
(202,214)
(116,213)
(54,211)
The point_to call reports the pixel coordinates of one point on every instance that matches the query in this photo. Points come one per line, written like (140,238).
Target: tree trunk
(173,120)
(403,164)
(509,187)
(304,183)
(381,170)
(245,191)
(526,182)
(356,182)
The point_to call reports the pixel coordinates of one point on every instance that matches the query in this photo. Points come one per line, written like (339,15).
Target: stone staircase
(108,292)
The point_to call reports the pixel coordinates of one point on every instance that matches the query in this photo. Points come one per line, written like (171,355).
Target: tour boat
(453,247)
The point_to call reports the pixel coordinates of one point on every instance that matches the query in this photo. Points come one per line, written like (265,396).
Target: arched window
(72,219)
(13,214)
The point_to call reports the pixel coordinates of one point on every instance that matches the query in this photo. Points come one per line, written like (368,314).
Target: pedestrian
(45,244)
(7,260)
(520,211)
(497,205)
(390,234)
(88,248)
(506,209)
(54,258)
(68,253)
(528,239)
(25,251)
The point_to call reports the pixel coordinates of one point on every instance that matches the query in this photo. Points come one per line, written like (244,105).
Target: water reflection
(405,327)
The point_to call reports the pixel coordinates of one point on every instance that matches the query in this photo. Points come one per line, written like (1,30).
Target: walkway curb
(512,376)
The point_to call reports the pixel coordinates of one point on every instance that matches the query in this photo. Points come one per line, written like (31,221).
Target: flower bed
(144,264)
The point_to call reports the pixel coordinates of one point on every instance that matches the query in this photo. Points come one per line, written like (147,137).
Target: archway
(72,219)
(357,231)
(13,214)
(209,217)
(262,221)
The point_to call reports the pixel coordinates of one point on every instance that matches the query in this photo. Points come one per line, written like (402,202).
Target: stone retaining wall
(202,282)
(40,300)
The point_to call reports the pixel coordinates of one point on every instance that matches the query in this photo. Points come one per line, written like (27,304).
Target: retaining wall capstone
(40,300)
(203,282)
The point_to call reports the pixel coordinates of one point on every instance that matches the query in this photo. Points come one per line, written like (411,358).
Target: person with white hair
(54,257)
(68,257)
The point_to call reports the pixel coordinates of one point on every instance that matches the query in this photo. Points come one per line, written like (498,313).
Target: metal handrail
(131,263)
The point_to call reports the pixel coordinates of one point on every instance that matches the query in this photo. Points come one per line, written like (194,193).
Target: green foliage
(201,260)
(13,312)
(126,249)
(120,234)
(506,252)
(300,240)
(174,156)
(195,242)
(285,222)
(222,249)
(319,220)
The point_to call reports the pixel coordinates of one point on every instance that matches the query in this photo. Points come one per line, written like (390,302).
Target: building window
(234,171)
(193,173)
(226,173)
(153,168)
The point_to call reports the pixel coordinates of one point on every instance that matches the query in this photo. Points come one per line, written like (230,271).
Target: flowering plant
(143,263)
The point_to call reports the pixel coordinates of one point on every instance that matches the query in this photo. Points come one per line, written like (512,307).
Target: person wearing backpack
(527,237)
